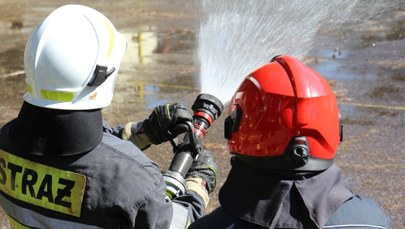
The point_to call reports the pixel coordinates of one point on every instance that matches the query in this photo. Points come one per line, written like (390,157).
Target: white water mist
(236,37)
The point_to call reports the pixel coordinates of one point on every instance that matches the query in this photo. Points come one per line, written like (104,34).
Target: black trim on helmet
(297,157)
(232,123)
(279,163)
(100,75)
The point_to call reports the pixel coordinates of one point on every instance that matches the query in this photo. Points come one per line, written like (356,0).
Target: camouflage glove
(133,132)
(166,122)
(203,176)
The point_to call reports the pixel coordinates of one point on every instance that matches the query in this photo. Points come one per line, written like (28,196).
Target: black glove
(166,122)
(206,169)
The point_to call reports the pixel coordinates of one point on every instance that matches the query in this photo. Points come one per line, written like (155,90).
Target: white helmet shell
(65,53)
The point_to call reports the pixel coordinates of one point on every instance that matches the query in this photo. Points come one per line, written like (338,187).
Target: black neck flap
(42,131)
(282,199)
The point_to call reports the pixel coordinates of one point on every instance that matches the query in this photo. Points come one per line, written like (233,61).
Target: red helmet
(284,116)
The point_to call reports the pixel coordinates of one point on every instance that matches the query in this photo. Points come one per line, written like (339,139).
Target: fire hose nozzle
(207,109)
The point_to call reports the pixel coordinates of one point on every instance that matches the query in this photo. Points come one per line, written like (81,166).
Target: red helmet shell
(279,101)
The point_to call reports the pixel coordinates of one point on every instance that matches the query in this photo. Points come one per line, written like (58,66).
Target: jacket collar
(274,199)
(42,131)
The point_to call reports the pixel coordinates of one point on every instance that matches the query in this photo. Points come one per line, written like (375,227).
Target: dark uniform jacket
(53,174)
(255,199)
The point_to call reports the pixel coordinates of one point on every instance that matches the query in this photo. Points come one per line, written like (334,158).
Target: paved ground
(365,65)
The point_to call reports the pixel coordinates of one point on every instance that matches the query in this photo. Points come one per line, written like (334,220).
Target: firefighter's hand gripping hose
(192,167)
(164,123)
(203,176)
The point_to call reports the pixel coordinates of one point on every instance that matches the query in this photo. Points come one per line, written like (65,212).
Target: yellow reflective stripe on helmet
(111,31)
(29,88)
(48,187)
(60,96)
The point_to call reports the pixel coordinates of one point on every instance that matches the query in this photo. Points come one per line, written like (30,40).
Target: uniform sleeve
(130,132)
(360,211)
(193,203)
(159,212)
(156,212)
(116,130)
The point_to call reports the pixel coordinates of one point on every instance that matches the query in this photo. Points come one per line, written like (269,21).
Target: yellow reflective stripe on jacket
(16,225)
(48,187)
(22,218)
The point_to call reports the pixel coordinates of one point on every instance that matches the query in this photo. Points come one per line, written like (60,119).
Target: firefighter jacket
(255,199)
(110,183)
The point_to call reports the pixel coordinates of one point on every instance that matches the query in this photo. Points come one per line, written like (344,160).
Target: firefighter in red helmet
(283,131)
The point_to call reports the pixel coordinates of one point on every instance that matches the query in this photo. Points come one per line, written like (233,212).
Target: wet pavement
(364,64)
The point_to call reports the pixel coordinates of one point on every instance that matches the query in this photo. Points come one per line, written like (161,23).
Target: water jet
(236,37)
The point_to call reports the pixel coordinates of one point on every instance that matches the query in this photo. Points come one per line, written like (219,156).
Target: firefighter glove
(204,172)
(166,122)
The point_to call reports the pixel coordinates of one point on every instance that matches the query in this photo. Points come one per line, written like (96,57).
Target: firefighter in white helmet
(61,166)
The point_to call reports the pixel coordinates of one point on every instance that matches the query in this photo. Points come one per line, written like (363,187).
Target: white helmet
(71,60)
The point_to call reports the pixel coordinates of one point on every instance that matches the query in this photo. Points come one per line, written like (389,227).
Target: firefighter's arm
(201,180)
(163,124)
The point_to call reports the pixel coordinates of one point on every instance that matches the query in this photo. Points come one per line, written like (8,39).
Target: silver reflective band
(354,225)
(33,219)
(180,217)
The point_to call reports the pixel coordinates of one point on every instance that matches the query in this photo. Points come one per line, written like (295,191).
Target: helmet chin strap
(100,75)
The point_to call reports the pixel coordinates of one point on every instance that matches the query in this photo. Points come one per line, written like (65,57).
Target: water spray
(237,37)
(207,108)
